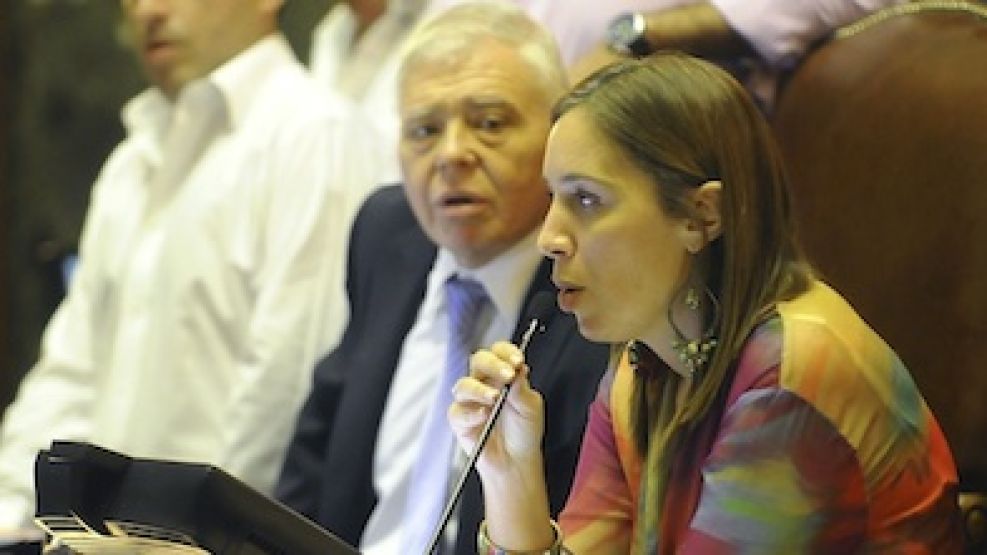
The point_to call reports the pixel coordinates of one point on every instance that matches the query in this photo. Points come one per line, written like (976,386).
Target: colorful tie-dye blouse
(825,446)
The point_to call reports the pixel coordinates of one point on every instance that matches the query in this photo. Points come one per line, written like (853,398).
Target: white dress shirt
(419,371)
(213,243)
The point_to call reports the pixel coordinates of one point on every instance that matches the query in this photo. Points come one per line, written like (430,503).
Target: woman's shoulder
(838,364)
(825,344)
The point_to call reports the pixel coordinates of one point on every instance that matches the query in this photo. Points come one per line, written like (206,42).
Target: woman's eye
(587,200)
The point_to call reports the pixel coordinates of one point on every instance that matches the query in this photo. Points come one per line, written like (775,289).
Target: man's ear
(707,225)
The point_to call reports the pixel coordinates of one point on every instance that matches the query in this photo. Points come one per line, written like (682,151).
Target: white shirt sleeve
(781,31)
(51,403)
(55,397)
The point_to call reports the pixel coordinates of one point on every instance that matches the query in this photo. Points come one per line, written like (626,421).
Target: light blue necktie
(431,475)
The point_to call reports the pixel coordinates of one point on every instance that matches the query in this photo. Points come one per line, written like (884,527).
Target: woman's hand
(516,437)
(510,465)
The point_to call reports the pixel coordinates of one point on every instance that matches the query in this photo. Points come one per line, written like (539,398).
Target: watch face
(626,34)
(621,31)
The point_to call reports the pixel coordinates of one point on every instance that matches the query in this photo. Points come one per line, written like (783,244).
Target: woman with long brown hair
(748,407)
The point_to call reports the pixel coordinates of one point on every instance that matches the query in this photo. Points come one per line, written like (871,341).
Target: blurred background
(64,75)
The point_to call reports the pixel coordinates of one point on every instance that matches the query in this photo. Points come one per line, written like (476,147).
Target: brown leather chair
(884,129)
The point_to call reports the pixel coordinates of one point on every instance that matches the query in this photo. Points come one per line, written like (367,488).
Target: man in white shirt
(355,53)
(213,241)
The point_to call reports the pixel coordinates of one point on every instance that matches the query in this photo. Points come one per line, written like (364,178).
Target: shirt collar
(506,278)
(145,117)
(236,81)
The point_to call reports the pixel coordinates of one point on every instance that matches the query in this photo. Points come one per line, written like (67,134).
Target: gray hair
(455,32)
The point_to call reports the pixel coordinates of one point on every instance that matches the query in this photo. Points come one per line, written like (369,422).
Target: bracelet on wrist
(487,547)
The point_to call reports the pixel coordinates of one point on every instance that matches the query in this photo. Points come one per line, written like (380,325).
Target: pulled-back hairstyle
(685,121)
(455,32)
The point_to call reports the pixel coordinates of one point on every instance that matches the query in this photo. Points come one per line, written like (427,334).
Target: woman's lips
(568,296)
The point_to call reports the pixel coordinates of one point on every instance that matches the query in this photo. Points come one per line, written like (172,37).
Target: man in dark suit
(476,90)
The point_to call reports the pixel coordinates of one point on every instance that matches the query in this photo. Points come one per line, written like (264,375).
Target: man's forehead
(472,90)
(466,103)
(485,61)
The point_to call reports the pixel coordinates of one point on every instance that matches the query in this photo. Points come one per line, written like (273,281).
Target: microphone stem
(484,435)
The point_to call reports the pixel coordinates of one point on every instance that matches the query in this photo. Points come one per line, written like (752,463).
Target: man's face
(473,133)
(178,41)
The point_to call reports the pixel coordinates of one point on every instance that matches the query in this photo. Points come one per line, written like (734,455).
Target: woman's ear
(707,225)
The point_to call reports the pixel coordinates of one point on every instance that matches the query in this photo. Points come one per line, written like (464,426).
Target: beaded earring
(695,353)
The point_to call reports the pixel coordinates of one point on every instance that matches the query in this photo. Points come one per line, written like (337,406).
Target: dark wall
(4,190)
(63,79)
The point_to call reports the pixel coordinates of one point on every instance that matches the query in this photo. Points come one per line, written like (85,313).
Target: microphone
(539,313)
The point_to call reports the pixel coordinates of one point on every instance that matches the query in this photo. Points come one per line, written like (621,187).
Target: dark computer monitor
(89,494)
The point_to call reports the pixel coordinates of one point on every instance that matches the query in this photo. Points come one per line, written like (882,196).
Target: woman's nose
(553,241)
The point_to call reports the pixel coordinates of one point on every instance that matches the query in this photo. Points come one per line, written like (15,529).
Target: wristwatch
(625,35)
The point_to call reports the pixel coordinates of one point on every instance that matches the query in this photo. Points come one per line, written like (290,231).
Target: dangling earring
(695,353)
(692,298)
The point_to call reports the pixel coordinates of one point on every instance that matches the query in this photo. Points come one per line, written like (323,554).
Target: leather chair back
(884,129)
